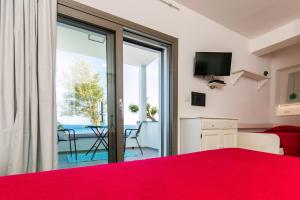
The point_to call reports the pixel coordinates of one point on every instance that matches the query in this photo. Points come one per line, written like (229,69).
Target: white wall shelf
(261,80)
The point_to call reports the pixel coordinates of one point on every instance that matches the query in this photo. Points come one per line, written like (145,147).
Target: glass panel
(141,89)
(82,95)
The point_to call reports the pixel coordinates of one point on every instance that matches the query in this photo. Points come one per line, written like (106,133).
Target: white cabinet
(199,134)
(230,138)
(210,140)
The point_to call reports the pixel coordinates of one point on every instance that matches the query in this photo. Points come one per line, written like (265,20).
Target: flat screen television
(212,63)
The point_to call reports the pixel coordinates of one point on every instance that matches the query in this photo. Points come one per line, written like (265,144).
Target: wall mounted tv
(212,63)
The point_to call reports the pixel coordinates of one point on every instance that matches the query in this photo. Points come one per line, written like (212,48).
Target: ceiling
(76,40)
(137,55)
(83,42)
(250,18)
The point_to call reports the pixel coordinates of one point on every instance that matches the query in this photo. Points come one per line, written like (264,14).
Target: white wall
(283,59)
(197,33)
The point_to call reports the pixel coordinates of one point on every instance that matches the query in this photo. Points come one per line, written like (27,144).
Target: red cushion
(284,128)
(289,139)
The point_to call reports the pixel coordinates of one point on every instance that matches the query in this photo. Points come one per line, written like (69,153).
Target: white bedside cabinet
(199,134)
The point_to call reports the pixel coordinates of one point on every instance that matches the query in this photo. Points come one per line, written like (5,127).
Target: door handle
(121,106)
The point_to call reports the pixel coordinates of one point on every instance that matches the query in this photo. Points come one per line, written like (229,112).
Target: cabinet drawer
(230,124)
(208,124)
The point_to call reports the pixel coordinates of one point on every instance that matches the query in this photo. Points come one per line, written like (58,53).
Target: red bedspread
(289,139)
(232,174)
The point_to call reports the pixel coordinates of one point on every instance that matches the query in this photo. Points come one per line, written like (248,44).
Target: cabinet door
(229,139)
(210,140)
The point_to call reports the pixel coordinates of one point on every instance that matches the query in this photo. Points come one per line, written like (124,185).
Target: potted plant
(151,110)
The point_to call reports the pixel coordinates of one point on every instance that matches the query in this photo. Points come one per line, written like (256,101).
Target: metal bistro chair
(133,133)
(71,137)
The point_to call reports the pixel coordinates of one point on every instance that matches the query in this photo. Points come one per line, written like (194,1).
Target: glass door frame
(143,41)
(115,59)
(85,14)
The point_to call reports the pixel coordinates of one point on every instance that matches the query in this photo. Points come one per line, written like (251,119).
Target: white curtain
(27,83)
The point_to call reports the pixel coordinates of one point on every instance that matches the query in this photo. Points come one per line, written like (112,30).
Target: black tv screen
(212,63)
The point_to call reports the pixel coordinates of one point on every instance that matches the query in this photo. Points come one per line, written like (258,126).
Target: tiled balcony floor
(148,153)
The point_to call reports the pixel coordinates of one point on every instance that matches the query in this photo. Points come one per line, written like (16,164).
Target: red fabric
(284,128)
(289,139)
(228,174)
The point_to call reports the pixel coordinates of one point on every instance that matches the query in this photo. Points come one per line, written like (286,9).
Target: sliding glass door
(114,89)
(85,90)
(145,97)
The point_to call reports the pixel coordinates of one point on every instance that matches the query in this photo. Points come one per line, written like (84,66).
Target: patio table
(101,133)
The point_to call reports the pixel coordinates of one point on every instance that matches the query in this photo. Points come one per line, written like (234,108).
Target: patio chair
(70,137)
(133,133)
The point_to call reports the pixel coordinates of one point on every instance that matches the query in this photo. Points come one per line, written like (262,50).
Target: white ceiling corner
(250,18)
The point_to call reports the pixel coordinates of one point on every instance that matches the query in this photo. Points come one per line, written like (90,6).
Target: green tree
(83,94)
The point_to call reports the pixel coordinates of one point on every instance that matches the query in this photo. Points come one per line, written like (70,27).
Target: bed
(233,174)
(269,143)
(289,139)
